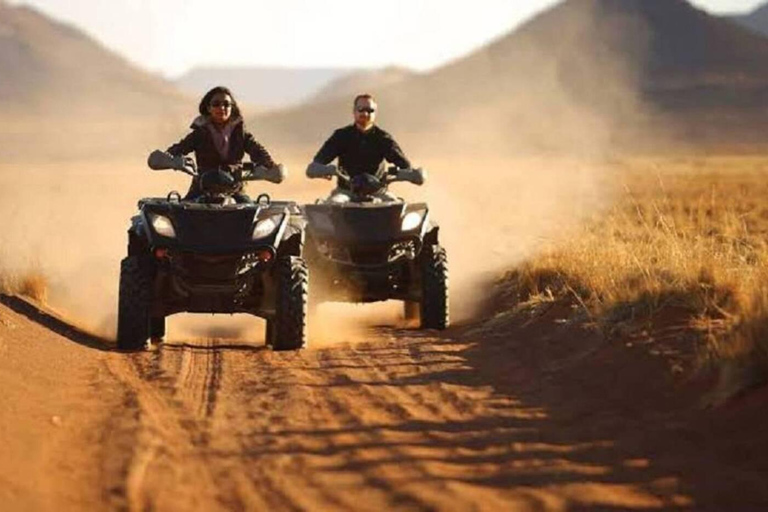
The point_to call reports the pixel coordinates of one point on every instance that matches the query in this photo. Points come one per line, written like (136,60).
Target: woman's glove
(161,160)
(276,174)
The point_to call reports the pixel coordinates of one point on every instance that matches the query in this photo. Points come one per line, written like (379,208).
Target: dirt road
(493,416)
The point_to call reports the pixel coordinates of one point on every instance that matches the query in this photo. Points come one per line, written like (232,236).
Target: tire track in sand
(175,391)
(348,427)
(334,428)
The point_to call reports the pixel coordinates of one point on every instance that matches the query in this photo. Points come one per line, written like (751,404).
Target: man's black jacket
(361,152)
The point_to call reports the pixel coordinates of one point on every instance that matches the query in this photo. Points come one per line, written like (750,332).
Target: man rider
(360,147)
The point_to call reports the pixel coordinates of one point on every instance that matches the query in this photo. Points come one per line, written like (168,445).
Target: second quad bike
(212,254)
(367,246)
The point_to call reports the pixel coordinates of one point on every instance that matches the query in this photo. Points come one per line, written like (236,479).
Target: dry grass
(35,286)
(32,284)
(686,241)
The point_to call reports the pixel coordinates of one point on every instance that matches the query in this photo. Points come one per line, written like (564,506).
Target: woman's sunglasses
(225,104)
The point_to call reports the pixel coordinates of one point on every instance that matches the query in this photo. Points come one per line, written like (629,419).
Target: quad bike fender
(140,226)
(138,243)
(431,234)
(137,226)
(292,241)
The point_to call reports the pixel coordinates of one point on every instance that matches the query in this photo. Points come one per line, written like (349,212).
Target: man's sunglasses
(225,104)
(366,109)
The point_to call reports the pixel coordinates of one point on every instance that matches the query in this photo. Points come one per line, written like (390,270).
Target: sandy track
(206,426)
(520,416)
(234,427)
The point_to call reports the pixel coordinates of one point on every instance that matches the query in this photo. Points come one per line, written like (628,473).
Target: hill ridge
(595,63)
(52,60)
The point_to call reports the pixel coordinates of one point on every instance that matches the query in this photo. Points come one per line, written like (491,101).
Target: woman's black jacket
(200,140)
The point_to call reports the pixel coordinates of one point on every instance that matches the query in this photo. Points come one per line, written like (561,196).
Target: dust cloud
(68,223)
(518,167)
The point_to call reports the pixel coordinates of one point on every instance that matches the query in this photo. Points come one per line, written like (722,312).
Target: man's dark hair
(220,89)
(365,96)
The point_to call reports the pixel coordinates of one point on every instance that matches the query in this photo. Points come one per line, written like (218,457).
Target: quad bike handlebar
(393,174)
(247,171)
(416,176)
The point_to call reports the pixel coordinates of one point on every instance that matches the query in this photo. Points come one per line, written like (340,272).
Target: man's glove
(318,170)
(415,176)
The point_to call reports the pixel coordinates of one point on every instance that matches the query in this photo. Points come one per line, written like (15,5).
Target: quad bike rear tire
(290,322)
(434,288)
(411,311)
(134,301)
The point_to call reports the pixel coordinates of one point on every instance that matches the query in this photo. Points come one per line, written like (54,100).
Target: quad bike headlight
(266,227)
(162,226)
(411,221)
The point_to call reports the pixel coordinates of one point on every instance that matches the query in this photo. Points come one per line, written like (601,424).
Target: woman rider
(219,139)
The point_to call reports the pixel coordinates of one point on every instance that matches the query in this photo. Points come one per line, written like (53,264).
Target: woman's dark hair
(220,89)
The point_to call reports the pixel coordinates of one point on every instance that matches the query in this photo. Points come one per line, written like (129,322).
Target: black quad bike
(375,247)
(212,254)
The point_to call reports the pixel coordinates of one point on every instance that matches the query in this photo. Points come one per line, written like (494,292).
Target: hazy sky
(171,36)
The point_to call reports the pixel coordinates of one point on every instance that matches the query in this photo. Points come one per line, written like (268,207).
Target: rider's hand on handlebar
(415,176)
(183,163)
(330,172)
(178,162)
(318,170)
(276,174)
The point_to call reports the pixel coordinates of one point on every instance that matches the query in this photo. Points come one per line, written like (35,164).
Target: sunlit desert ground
(67,222)
(643,232)
(600,306)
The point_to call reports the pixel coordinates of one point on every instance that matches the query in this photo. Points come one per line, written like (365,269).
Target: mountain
(584,73)
(52,67)
(270,88)
(756,21)
(370,81)
(56,80)
(265,88)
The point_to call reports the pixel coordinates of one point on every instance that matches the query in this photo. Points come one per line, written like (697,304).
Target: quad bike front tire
(434,288)
(269,334)
(411,311)
(290,322)
(157,327)
(134,301)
